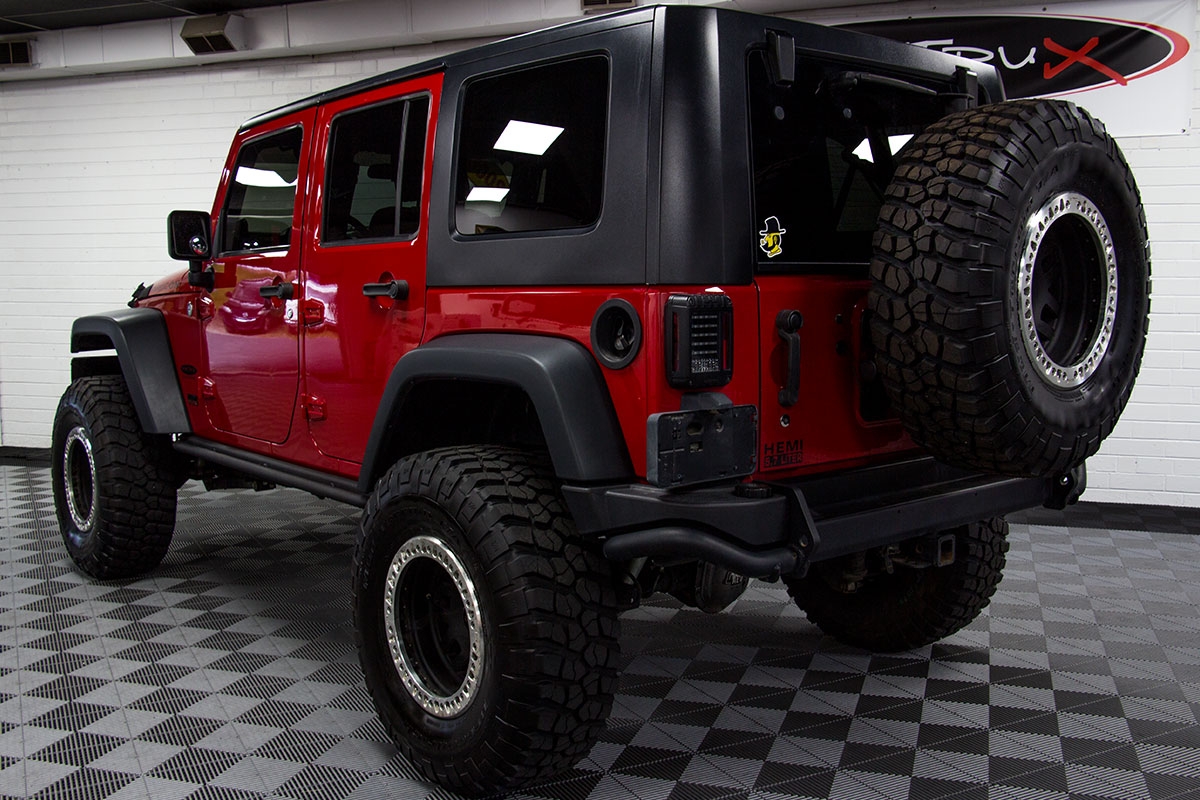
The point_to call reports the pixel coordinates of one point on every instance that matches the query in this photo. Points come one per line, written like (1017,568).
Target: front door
(250,332)
(364,266)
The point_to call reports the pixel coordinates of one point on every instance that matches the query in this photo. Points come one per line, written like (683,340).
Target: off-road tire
(910,607)
(523,688)
(114,485)
(997,335)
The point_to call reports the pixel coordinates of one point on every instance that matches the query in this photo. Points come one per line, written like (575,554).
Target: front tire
(487,631)
(114,488)
(908,607)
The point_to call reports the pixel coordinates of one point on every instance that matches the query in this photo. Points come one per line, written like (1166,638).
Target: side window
(531,149)
(262,194)
(374,175)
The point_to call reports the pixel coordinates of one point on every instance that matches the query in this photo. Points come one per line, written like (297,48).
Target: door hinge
(314,408)
(312,312)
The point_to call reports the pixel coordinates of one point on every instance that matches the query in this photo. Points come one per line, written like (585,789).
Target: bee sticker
(771,242)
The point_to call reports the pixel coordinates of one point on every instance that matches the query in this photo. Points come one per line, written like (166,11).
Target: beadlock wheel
(487,627)
(114,485)
(434,626)
(1067,284)
(79,478)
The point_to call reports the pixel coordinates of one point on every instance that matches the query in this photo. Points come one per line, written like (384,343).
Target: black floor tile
(230,672)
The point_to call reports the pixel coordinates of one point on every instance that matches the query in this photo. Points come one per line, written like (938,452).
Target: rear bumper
(768,530)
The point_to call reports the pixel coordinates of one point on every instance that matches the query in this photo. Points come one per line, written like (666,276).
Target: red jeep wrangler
(657,301)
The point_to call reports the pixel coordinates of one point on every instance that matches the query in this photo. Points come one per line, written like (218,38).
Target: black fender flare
(560,377)
(139,335)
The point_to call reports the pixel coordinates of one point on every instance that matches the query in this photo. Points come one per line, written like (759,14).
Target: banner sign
(1131,69)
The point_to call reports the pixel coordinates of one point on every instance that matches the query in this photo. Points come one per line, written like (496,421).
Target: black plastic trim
(560,377)
(273,470)
(601,333)
(139,335)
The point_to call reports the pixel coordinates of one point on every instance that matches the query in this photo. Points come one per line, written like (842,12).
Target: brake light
(698,333)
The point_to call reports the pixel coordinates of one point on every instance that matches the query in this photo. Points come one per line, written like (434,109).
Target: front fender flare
(139,335)
(560,377)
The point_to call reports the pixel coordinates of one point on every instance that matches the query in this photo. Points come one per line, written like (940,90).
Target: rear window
(822,151)
(531,149)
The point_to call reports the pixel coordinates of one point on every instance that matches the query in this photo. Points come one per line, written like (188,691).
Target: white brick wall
(90,166)
(1154,454)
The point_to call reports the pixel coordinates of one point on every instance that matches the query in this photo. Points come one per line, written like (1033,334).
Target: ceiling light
(527,137)
(265,178)
(486,194)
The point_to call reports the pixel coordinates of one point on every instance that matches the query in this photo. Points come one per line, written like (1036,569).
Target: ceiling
(32,16)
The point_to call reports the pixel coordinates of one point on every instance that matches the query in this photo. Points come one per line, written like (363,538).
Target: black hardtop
(844,45)
(676,196)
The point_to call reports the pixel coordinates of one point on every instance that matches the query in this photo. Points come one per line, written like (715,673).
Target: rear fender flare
(560,377)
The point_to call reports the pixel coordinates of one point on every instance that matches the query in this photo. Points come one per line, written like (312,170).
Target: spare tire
(1010,296)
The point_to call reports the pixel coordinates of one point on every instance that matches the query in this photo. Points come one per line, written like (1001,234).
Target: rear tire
(1011,287)
(487,630)
(909,607)
(114,485)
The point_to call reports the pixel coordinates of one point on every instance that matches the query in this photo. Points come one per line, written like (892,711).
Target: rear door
(363,303)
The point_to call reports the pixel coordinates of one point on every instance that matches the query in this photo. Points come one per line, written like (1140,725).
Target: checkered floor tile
(231,673)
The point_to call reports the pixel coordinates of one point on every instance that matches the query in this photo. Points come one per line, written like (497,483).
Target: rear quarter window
(531,149)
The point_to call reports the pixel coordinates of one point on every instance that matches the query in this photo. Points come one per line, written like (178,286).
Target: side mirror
(188,239)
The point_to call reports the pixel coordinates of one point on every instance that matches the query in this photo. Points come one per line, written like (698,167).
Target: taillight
(698,333)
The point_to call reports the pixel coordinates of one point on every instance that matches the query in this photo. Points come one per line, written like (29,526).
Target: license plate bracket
(700,446)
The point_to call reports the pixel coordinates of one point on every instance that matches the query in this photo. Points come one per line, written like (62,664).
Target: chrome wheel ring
(434,626)
(1067,290)
(79,478)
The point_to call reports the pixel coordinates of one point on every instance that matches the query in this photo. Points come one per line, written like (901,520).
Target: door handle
(282,291)
(788,324)
(397,290)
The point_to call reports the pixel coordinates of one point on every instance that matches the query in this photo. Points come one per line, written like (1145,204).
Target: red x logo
(1079,56)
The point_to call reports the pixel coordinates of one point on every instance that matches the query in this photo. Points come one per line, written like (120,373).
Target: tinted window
(262,194)
(373,181)
(822,151)
(531,149)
